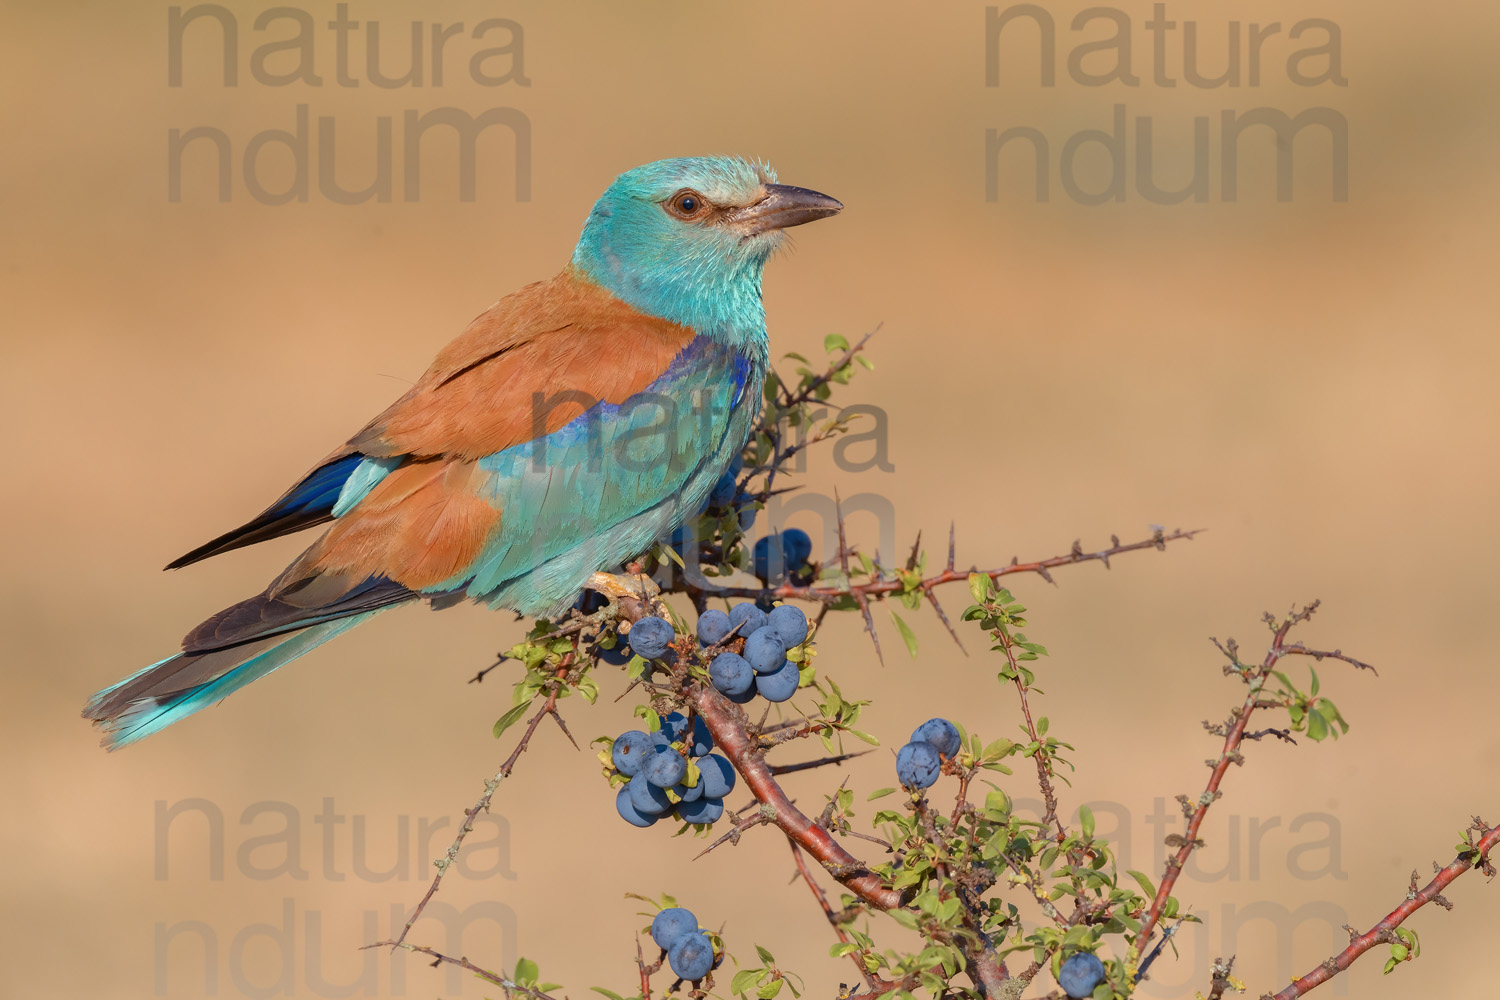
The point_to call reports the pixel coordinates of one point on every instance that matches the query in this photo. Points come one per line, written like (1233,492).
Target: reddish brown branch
(1383,932)
(832,593)
(1233,739)
(724,722)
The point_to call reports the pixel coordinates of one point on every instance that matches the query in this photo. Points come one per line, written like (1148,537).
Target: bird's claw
(636,586)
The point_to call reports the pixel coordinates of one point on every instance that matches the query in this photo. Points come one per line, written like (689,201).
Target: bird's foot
(636,586)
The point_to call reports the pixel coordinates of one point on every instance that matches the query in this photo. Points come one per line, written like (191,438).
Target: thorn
(864,609)
(952,543)
(916,548)
(943,617)
(838,509)
(808,765)
(564,727)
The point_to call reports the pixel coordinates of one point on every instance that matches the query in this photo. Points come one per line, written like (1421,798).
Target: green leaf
(834,342)
(1146,888)
(743,980)
(509,719)
(879,793)
(526,971)
(979,587)
(1317,726)
(1086,820)
(907,635)
(765,956)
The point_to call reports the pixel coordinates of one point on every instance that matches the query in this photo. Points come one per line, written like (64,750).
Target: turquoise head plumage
(687,239)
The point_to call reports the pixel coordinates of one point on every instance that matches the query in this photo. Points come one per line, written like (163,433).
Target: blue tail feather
(148,712)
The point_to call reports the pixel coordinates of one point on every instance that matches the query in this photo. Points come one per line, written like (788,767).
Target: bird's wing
(557,337)
(547,345)
(560,415)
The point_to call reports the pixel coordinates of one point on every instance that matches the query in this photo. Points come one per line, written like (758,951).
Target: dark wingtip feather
(308,503)
(261,529)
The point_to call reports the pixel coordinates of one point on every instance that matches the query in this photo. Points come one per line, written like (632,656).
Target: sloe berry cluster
(657,766)
(690,951)
(919,763)
(762,668)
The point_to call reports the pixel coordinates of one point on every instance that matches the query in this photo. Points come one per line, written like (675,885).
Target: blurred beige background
(1312,382)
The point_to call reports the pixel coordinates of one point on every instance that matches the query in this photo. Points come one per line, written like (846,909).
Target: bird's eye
(687,204)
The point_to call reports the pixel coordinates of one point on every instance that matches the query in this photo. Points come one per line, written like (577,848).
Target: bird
(564,431)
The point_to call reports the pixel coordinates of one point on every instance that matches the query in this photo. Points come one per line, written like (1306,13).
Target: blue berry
(942,734)
(790,624)
(687,794)
(715,776)
(671,926)
(665,768)
(765,651)
(779,554)
(918,764)
(673,727)
(780,685)
(1080,974)
(747,518)
(692,957)
(745,697)
(630,752)
(648,799)
(705,810)
(723,492)
(625,806)
(651,637)
(753,618)
(797,547)
(713,626)
(731,674)
(761,560)
(674,730)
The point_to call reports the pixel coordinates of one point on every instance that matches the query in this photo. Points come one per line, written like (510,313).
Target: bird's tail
(180,685)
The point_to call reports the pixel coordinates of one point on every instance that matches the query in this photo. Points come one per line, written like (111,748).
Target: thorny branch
(549,707)
(1255,678)
(1384,931)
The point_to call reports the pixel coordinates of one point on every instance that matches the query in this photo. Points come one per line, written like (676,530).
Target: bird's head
(687,239)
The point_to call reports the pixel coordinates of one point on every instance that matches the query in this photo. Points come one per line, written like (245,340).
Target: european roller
(574,423)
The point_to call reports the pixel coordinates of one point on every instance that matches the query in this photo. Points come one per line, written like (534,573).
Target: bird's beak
(782,207)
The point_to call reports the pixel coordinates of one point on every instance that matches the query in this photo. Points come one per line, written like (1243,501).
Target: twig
(807,765)
(828,911)
(477,678)
(832,593)
(483,805)
(1255,677)
(438,958)
(1415,899)
(645,970)
(1043,762)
